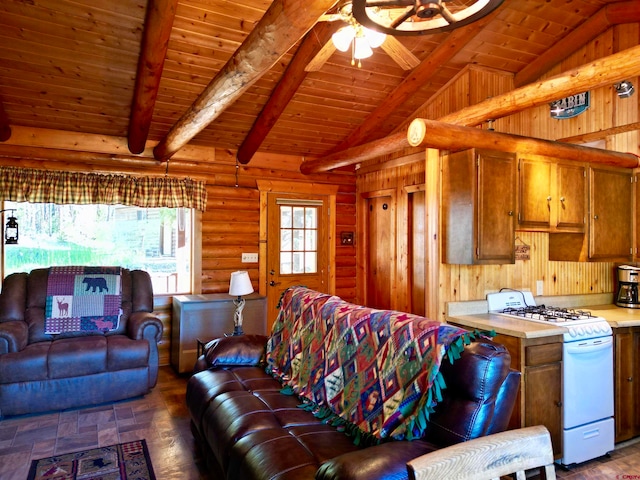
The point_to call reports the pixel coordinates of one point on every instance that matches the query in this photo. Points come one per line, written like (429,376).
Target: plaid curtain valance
(39,186)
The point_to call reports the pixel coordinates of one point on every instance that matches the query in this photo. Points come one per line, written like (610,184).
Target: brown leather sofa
(40,372)
(248,429)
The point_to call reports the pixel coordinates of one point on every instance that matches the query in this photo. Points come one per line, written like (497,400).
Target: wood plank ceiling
(71,65)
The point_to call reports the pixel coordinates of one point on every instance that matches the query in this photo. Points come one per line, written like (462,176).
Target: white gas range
(587,372)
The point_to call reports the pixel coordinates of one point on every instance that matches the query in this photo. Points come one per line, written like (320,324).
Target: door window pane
(298,239)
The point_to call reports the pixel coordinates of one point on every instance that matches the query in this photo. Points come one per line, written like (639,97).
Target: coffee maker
(628,278)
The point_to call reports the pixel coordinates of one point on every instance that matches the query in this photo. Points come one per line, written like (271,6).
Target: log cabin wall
(607,112)
(229,226)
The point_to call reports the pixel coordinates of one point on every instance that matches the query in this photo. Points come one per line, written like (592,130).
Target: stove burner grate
(551,314)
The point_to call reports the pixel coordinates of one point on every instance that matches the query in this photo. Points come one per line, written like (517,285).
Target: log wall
(230,225)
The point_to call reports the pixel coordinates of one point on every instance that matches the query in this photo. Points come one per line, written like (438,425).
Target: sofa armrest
(14,336)
(144,325)
(385,461)
(237,350)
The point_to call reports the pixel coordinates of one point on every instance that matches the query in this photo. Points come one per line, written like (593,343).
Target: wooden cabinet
(610,213)
(205,317)
(626,382)
(552,196)
(478,189)
(539,400)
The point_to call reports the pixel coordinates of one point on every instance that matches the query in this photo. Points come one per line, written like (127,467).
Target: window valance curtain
(39,186)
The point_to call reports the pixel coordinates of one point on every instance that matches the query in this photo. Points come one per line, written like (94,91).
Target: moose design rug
(124,461)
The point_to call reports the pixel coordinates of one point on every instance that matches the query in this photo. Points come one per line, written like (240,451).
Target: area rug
(125,461)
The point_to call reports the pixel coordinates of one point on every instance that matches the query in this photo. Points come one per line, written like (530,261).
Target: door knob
(273,284)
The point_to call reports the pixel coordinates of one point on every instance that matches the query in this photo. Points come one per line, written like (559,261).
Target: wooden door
(297,246)
(417,252)
(380,242)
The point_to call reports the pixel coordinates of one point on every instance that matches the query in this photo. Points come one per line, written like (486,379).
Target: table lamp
(239,285)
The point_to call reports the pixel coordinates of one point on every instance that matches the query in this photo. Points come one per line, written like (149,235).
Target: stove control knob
(580,331)
(589,330)
(572,332)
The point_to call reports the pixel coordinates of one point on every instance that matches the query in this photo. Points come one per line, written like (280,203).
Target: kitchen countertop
(468,315)
(507,325)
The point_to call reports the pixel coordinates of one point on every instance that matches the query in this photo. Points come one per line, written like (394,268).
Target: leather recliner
(40,372)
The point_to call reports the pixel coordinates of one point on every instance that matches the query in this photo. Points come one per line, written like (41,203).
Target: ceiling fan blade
(400,54)
(321,57)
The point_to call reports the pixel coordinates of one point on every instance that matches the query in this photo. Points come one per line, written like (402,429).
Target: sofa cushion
(124,352)
(30,364)
(74,357)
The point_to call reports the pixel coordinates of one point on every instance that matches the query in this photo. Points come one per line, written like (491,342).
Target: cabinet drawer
(542,354)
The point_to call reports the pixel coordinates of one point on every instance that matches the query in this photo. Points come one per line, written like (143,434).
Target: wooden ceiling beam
(426,133)
(5,126)
(286,88)
(609,15)
(155,42)
(416,79)
(601,72)
(281,27)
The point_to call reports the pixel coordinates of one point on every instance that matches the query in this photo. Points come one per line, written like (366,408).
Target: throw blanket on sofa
(83,299)
(378,370)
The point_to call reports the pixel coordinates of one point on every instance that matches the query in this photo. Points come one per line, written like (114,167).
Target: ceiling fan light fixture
(342,38)
(374,38)
(361,48)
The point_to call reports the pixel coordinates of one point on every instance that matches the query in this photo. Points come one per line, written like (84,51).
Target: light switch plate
(539,287)
(249,258)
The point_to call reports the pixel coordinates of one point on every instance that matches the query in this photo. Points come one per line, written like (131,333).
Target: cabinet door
(495,207)
(543,400)
(571,196)
(610,203)
(534,194)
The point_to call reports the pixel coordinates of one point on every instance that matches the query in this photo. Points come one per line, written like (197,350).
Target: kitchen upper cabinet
(610,214)
(479,196)
(627,382)
(552,196)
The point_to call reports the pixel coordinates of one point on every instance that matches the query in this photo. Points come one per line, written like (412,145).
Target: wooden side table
(198,319)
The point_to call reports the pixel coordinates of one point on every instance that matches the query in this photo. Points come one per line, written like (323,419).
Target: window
(157,240)
(298,239)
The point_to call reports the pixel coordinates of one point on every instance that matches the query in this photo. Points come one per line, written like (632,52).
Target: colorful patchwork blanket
(83,299)
(375,373)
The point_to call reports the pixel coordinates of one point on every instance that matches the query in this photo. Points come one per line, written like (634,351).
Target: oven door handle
(588,348)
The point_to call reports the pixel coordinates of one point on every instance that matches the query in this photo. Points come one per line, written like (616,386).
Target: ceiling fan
(361,41)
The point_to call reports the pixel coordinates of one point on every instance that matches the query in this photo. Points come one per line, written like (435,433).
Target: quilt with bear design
(83,299)
(375,369)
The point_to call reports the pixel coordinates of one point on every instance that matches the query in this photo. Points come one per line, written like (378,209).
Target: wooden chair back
(491,457)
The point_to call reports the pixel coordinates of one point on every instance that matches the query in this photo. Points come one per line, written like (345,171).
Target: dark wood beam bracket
(5,127)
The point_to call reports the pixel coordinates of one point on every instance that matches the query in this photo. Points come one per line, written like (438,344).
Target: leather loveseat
(249,429)
(42,372)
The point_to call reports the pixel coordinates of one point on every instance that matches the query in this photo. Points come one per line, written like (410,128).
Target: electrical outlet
(249,258)
(539,287)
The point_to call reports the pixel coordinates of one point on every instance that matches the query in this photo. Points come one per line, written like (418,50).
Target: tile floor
(162,419)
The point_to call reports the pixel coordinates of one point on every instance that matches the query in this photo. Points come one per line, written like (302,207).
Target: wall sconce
(10,229)
(239,285)
(624,89)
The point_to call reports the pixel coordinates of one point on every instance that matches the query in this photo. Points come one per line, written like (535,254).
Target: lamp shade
(240,284)
(343,37)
